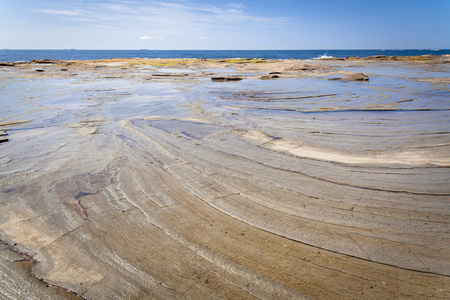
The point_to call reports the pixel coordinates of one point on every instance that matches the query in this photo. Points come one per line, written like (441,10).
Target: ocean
(7,55)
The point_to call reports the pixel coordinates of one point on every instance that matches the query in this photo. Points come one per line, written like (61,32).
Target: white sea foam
(323,56)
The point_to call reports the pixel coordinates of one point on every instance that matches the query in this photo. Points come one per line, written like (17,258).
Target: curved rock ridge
(292,147)
(120,187)
(302,211)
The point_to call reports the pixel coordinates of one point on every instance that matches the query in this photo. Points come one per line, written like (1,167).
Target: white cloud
(188,22)
(236,5)
(147,38)
(164,17)
(126,2)
(59,12)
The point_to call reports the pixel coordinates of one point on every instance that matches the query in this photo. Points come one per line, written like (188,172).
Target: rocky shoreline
(418,58)
(231,178)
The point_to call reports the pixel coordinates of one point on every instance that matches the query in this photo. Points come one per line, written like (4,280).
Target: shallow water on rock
(117,184)
(194,130)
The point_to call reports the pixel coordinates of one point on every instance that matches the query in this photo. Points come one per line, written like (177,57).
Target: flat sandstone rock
(294,188)
(13,123)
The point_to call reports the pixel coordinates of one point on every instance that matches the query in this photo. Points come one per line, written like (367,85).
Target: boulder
(7,64)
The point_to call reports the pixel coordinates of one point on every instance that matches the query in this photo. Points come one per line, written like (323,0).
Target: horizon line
(143,49)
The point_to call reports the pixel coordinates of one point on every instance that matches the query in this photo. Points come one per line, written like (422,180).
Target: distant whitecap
(323,56)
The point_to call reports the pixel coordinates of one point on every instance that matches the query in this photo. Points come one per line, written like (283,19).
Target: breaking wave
(323,56)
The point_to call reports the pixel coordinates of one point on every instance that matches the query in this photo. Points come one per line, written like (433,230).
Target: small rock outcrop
(170,74)
(45,61)
(353,77)
(304,67)
(356,77)
(226,78)
(378,57)
(2,138)
(271,75)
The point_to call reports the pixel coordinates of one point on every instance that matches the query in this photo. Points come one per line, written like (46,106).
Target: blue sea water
(7,55)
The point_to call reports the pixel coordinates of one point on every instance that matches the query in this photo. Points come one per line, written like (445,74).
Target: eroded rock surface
(356,77)
(295,188)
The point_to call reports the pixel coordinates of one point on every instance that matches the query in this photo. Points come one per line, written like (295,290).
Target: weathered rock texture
(185,188)
(356,77)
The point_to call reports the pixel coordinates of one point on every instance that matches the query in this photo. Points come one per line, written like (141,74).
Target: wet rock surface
(226,78)
(170,74)
(304,67)
(354,77)
(299,187)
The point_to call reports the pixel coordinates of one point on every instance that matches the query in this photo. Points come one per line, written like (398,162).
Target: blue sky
(234,24)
